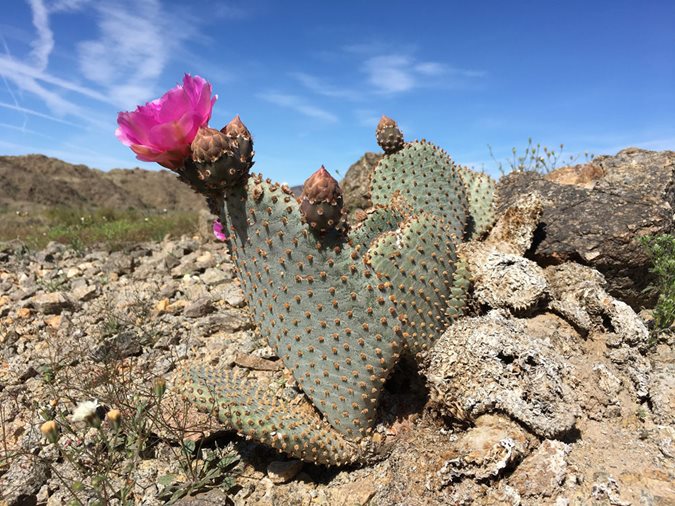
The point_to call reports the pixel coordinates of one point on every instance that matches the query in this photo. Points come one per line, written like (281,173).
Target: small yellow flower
(50,431)
(159,386)
(114,418)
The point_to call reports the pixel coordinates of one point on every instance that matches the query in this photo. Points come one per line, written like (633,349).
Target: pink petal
(162,130)
(218,230)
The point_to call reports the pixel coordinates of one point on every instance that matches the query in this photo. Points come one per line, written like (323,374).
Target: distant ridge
(40,181)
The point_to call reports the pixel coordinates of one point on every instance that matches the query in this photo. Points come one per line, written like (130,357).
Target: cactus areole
(339,306)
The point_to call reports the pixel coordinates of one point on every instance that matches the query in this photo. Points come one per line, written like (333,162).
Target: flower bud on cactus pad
(321,201)
(242,140)
(217,160)
(389,135)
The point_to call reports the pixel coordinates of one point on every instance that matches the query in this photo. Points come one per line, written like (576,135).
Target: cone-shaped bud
(209,145)
(236,128)
(242,140)
(321,201)
(389,135)
(217,162)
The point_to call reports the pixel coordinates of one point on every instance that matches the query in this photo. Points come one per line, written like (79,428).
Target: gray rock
(121,345)
(493,364)
(593,214)
(23,480)
(51,303)
(227,320)
(283,471)
(84,292)
(356,183)
(214,276)
(543,472)
(200,307)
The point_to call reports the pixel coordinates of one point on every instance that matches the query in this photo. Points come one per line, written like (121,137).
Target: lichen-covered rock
(594,214)
(501,276)
(493,364)
(356,183)
(543,472)
(579,296)
(502,280)
(487,450)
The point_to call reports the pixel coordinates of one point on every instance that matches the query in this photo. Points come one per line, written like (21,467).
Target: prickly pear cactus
(340,306)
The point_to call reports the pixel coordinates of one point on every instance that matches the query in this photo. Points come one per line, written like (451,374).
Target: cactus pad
(326,313)
(256,413)
(428,180)
(480,193)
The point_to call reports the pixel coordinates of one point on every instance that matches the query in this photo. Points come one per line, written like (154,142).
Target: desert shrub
(536,158)
(661,249)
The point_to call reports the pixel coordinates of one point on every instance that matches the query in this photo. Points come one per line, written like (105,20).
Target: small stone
(161,306)
(54,321)
(543,472)
(200,307)
(84,293)
(213,276)
(23,312)
(283,471)
(51,303)
(121,345)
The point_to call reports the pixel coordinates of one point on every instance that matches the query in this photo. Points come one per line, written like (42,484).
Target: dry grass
(81,229)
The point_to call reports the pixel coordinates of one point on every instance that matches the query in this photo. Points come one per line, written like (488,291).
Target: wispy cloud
(391,74)
(300,105)
(321,87)
(67,5)
(131,51)
(367,118)
(38,114)
(44,43)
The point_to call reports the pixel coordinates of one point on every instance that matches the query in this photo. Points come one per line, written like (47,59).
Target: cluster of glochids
(340,306)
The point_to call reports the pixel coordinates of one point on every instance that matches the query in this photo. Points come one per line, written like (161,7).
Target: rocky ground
(550,392)
(74,327)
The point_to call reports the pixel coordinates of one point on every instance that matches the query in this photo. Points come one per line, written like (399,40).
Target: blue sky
(310,79)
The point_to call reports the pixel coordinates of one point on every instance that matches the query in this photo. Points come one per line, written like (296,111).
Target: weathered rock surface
(495,363)
(356,183)
(593,214)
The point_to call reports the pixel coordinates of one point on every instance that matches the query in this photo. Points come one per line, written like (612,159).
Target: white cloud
(391,74)
(38,114)
(131,51)
(67,5)
(298,104)
(321,87)
(44,43)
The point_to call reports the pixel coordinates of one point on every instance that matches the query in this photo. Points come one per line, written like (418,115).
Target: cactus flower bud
(235,128)
(389,136)
(220,158)
(50,431)
(241,139)
(209,145)
(321,201)
(114,418)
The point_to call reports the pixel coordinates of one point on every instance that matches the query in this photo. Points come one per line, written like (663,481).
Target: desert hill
(32,180)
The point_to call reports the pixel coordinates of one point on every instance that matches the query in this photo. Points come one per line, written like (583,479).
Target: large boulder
(356,183)
(595,213)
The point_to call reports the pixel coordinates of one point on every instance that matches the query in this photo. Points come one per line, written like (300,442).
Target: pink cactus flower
(218,230)
(161,131)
